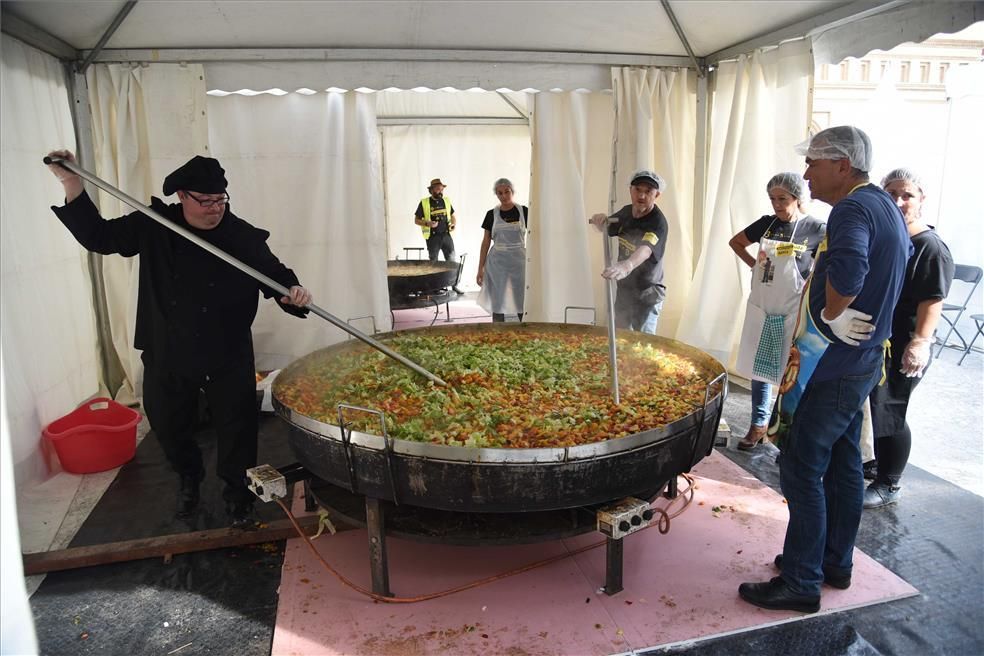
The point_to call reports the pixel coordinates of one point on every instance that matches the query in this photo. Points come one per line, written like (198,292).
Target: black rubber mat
(211,602)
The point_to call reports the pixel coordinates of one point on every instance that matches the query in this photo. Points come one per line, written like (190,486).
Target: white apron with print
(770,317)
(504,285)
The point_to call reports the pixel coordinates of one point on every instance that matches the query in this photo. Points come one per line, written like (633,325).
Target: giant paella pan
(526,423)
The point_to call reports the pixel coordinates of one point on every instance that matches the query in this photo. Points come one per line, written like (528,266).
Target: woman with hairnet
(928,275)
(502,256)
(787,241)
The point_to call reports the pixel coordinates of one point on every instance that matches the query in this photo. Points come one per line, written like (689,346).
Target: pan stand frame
(375,515)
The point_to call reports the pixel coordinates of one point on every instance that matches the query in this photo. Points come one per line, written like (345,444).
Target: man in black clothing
(641,229)
(435,216)
(194,313)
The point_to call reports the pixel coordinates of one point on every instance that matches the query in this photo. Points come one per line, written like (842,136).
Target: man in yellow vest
(435,216)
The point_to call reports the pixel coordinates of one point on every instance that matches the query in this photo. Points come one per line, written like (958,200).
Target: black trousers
(440,243)
(171,403)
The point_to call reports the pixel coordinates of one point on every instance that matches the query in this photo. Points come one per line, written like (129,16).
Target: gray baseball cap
(645,175)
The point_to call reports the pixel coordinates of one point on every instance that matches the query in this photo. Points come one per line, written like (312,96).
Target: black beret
(201,174)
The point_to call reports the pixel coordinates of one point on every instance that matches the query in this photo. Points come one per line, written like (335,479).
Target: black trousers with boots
(171,403)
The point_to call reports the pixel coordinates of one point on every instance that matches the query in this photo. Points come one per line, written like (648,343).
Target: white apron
(504,285)
(770,317)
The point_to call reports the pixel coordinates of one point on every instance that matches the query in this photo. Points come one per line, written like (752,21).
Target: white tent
(711,94)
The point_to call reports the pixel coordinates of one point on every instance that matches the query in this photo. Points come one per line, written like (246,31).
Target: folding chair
(969,274)
(979,322)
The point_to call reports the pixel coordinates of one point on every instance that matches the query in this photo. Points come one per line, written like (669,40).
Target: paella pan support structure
(460,495)
(245,268)
(421,283)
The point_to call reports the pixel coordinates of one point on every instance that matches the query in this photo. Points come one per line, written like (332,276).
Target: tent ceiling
(503,44)
(619,27)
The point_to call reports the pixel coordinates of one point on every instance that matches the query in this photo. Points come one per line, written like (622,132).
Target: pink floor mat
(682,586)
(463,310)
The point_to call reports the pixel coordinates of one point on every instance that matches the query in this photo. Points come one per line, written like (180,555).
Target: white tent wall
(656,126)
(759,112)
(48,328)
(958,209)
(307,168)
(572,157)
(48,354)
(146,121)
(468,159)
(15,611)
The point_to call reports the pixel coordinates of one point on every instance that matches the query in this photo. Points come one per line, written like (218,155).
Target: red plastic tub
(98,435)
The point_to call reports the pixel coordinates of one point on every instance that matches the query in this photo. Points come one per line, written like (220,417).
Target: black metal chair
(971,275)
(979,323)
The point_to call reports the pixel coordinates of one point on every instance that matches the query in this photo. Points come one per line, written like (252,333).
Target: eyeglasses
(208,202)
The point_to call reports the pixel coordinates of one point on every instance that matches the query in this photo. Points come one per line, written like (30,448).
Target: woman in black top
(928,275)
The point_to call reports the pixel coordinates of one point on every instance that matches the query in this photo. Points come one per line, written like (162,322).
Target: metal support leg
(613,566)
(671,489)
(310,505)
(375,522)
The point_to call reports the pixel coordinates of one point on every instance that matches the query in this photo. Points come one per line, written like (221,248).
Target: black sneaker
(241,513)
(188,495)
(839,581)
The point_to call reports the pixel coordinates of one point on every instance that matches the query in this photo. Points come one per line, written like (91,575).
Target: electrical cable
(662,525)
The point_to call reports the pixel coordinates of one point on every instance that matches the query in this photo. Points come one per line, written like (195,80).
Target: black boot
(241,514)
(188,495)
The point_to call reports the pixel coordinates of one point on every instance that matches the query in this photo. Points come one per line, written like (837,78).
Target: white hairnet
(503,182)
(792,183)
(904,174)
(841,142)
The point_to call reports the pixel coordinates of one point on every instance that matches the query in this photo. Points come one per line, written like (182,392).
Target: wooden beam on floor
(165,546)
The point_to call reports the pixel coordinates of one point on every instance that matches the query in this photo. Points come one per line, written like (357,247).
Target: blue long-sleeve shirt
(866,253)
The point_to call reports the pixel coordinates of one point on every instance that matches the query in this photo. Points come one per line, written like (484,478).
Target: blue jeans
(820,475)
(761,403)
(632,315)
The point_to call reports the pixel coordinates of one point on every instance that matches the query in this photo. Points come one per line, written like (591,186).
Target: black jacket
(194,311)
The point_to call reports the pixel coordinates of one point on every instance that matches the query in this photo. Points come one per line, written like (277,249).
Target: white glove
(916,356)
(617,271)
(851,326)
(599,221)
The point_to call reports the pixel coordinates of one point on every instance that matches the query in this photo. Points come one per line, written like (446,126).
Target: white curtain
(48,330)
(468,159)
(307,168)
(571,171)
(656,123)
(760,110)
(147,120)
(48,354)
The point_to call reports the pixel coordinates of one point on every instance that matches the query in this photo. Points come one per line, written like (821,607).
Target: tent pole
(111,372)
(700,170)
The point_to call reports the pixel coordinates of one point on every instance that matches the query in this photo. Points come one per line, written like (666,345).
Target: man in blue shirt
(851,297)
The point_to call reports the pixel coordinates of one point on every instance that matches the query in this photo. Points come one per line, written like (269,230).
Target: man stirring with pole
(194,313)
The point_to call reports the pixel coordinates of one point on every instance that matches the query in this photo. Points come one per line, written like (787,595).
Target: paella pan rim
(508,455)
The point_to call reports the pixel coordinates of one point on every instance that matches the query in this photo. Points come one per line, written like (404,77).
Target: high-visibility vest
(425,204)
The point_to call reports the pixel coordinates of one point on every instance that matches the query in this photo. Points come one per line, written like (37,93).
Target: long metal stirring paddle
(610,293)
(245,268)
